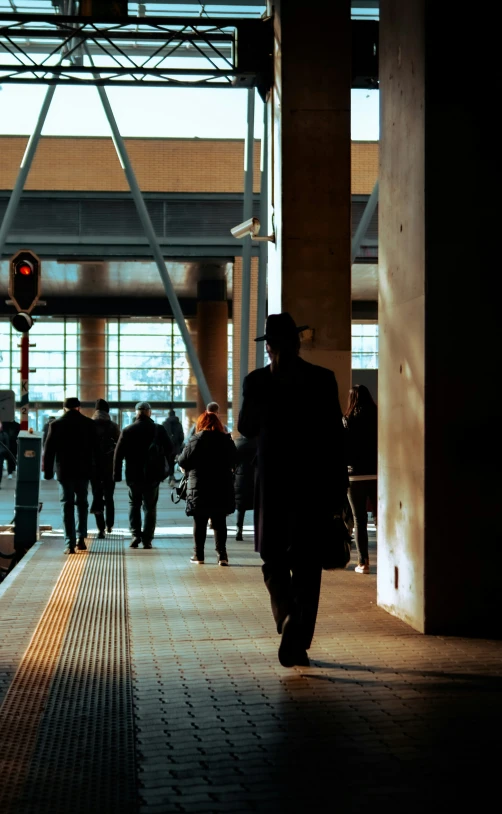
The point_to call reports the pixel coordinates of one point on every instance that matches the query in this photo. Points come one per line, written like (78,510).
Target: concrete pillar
(212,335)
(92,361)
(309,266)
(439,523)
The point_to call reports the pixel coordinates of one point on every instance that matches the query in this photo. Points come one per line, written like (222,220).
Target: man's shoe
(101,535)
(109,529)
(363,567)
(147,545)
(223,560)
(70,549)
(238,537)
(81,545)
(9,476)
(135,544)
(291,653)
(194,558)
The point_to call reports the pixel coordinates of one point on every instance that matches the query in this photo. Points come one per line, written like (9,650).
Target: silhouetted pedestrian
(361,440)
(147,450)
(209,459)
(102,483)
(172,426)
(244,480)
(289,528)
(71,448)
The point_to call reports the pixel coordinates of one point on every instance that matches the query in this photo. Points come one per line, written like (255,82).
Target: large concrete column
(212,340)
(439,521)
(92,361)
(310,264)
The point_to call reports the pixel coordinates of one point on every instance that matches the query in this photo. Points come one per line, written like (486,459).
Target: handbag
(180,490)
(336,546)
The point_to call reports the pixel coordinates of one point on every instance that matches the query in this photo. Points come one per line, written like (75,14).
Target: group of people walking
(260,469)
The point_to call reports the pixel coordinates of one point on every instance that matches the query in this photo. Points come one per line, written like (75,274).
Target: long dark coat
(245,473)
(71,447)
(281,410)
(209,458)
(133,445)
(108,433)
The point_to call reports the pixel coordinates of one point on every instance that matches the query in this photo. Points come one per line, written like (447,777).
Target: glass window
(364,345)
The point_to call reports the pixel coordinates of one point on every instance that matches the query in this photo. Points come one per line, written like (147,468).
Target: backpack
(156,466)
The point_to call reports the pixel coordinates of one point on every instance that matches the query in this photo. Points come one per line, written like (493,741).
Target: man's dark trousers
(143,495)
(73,492)
(103,505)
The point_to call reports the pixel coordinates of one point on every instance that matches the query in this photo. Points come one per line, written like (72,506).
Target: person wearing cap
(102,483)
(134,446)
(71,449)
(289,526)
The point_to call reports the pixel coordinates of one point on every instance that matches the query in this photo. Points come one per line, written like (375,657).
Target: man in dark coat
(4,448)
(172,426)
(244,480)
(103,485)
(290,525)
(12,428)
(71,447)
(133,446)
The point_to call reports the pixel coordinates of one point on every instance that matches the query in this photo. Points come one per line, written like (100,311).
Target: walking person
(244,480)
(289,527)
(172,426)
(360,423)
(12,428)
(4,449)
(102,483)
(209,458)
(147,450)
(71,450)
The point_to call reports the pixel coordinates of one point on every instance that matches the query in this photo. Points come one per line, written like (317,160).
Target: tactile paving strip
(68,716)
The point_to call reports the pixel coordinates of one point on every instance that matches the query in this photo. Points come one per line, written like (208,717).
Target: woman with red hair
(209,459)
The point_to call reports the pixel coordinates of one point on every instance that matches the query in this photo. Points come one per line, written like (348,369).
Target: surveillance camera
(249,227)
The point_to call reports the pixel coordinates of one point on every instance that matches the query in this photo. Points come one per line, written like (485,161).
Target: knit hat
(102,405)
(142,406)
(71,403)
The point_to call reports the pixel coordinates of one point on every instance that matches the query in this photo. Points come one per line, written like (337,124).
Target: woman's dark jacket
(361,441)
(287,516)
(209,459)
(245,473)
(108,433)
(71,447)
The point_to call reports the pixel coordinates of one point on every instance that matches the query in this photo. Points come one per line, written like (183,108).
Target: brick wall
(161,165)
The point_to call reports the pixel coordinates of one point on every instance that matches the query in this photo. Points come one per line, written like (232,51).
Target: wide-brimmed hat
(280,327)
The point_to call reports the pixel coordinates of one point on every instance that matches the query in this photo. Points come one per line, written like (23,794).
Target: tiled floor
(384,716)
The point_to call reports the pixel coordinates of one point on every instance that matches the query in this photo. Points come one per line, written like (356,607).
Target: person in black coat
(209,458)
(71,447)
(244,480)
(102,483)
(289,526)
(134,446)
(4,448)
(361,441)
(12,428)
(172,426)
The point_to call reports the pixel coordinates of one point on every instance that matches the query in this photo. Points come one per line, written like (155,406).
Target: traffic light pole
(25,369)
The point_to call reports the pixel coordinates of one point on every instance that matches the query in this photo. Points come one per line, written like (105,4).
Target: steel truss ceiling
(140,51)
(137,51)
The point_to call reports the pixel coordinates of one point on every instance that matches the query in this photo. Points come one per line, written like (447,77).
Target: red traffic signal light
(25,269)
(25,280)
